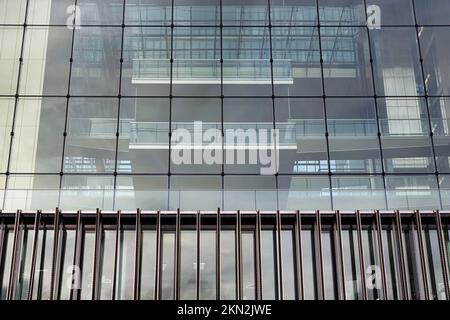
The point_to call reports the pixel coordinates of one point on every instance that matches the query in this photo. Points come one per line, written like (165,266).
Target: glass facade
(97,97)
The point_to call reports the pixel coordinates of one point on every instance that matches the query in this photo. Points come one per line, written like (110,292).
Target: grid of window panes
(87,111)
(225,255)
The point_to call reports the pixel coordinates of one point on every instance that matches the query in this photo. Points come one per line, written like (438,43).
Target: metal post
(258,274)
(75,293)
(404,289)
(55,262)
(279,258)
(381,253)
(218,228)
(198,224)
(177,253)
(319,257)
(239,285)
(158,255)
(97,248)
(116,253)
(444,258)
(137,260)
(298,256)
(340,265)
(15,255)
(37,222)
(361,255)
(423,264)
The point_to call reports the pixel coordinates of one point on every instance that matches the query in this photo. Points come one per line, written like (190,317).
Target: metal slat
(399,234)
(423,264)
(239,286)
(75,293)
(37,222)
(258,274)
(55,256)
(116,250)
(197,279)
(97,249)
(340,272)
(279,257)
(381,254)
(138,253)
(361,255)
(444,258)
(158,256)
(177,254)
(298,256)
(218,228)
(15,254)
(319,257)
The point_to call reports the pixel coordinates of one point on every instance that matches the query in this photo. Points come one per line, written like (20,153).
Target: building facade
(301,148)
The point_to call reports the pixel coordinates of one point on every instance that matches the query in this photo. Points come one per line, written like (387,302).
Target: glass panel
(246,61)
(12,11)
(362,192)
(432,12)
(148,264)
(46,56)
(51,12)
(268,265)
(250,193)
(444,181)
(67,272)
(440,122)
(5,271)
(125,265)
(247,12)
(248,265)
(196,68)
(308,193)
(145,192)
(96,65)
(293,12)
(398,12)
(302,141)
(192,122)
(96,192)
(106,263)
(296,54)
(396,62)
(288,262)
(9,58)
(91,136)
(148,12)
(248,142)
(144,136)
(101,12)
(87,274)
(38,135)
(412,192)
(405,136)
(6,116)
(146,60)
(199,12)
(185,192)
(343,12)
(167,266)
(188,264)
(346,61)
(434,50)
(354,145)
(227,265)
(207,265)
